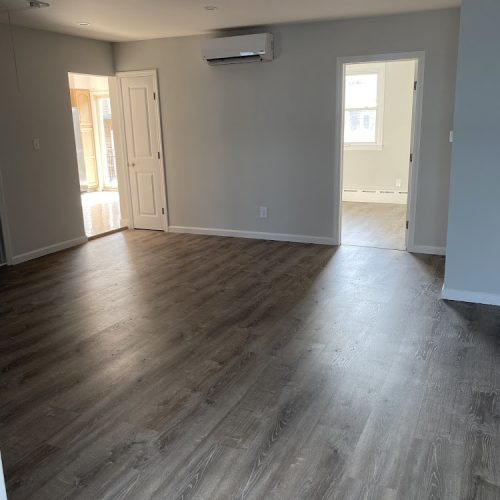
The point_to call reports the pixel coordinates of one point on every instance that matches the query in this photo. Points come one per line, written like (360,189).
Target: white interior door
(143,148)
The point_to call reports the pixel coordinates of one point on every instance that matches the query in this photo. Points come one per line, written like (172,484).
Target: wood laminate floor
(149,365)
(381,225)
(101,212)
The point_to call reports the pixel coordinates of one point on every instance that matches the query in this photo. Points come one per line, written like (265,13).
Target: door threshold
(107,233)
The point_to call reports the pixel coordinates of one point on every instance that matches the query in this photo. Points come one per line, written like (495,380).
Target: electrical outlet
(263,212)
(398,183)
(36,143)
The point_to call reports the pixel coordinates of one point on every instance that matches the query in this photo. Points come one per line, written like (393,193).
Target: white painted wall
(472,264)
(380,169)
(41,188)
(241,136)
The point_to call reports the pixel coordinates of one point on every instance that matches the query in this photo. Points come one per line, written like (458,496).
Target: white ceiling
(120,20)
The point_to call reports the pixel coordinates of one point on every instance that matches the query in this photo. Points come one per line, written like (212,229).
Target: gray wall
(241,136)
(472,266)
(41,187)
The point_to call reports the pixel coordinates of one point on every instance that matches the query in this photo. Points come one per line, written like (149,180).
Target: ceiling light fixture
(210,7)
(83,24)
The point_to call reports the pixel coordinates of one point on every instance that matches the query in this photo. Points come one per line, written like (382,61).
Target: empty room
(249,250)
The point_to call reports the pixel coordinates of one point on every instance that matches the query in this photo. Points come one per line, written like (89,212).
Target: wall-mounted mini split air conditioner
(238,49)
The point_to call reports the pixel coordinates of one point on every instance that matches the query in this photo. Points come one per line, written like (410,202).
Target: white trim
(256,235)
(3,493)
(6,235)
(154,73)
(429,250)
(120,151)
(363,146)
(40,252)
(375,196)
(419,57)
(490,299)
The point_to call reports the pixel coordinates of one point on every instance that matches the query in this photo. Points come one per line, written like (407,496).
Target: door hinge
(158,155)
(154,96)
(163,211)
(411,157)
(407,224)
(415,83)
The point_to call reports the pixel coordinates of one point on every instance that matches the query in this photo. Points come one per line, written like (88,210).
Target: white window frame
(369,69)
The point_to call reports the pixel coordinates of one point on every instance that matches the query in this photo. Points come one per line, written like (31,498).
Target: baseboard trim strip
(256,235)
(428,250)
(40,252)
(489,299)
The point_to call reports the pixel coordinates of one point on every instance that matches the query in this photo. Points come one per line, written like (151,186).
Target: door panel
(141,136)
(84,105)
(143,151)
(146,194)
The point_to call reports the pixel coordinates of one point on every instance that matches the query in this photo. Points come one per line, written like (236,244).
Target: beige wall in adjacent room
(41,188)
(242,136)
(379,169)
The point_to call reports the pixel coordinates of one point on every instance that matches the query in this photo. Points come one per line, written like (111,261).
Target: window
(364,96)
(107,142)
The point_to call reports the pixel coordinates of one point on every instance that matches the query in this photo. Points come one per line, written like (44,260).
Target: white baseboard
(375,196)
(124,223)
(40,252)
(256,235)
(474,297)
(428,250)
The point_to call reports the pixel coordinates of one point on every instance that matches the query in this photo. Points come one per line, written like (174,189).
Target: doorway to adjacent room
(96,154)
(380,123)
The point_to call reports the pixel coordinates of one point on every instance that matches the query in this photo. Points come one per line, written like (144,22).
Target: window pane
(360,126)
(361,91)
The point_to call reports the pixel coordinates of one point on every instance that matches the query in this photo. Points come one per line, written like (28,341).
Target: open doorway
(378,143)
(96,154)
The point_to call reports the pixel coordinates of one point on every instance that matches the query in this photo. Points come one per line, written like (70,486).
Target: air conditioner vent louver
(234,60)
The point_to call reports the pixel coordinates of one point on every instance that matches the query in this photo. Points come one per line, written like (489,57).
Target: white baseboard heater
(375,196)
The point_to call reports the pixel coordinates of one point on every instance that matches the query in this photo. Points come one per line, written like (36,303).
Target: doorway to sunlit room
(378,123)
(96,153)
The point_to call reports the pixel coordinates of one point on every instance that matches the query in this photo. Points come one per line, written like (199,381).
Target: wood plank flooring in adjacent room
(149,365)
(381,225)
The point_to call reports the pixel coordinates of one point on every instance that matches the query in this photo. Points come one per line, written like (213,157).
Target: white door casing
(141,120)
(419,58)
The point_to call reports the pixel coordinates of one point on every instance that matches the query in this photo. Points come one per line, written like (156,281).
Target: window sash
(377,110)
